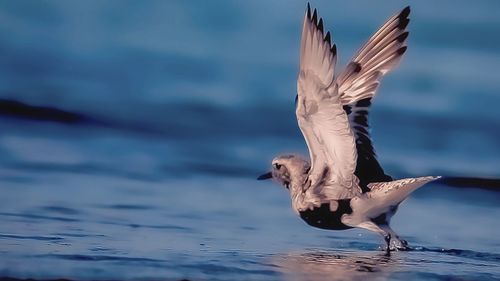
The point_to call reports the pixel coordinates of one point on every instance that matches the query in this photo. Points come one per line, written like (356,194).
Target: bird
(342,185)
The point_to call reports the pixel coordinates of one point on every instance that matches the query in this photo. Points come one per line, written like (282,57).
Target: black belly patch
(324,218)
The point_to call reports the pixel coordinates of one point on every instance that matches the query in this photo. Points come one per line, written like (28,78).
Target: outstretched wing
(358,84)
(380,54)
(368,169)
(321,117)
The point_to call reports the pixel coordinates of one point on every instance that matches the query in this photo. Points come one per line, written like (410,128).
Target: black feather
(334,49)
(347,109)
(361,120)
(327,38)
(402,50)
(320,25)
(361,129)
(403,23)
(405,12)
(368,169)
(402,37)
(364,103)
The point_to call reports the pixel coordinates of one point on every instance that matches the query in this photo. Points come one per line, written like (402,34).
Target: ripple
(60,210)
(31,237)
(98,258)
(150,226)
(127,207)
(165,226)
(39,217)
(461,253)
(77,235)
(210,268)
(17,179)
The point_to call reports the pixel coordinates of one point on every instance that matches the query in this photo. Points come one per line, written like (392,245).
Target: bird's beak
(265,176)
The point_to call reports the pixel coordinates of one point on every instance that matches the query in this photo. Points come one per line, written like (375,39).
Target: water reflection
(324,265)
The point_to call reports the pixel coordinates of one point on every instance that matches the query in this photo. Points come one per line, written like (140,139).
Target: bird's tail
(394,192)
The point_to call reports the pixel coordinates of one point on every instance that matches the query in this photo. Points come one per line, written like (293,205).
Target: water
(131,134)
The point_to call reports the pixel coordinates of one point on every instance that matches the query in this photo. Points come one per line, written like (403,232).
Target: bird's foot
(387,239)
(397,244)
(394,244)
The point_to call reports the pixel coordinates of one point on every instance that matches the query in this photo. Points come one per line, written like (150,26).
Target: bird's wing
(380,54)
(321,117)
(368,169)
(358,84)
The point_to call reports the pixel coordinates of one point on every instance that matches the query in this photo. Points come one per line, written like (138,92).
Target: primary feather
(332,111)
(321,117)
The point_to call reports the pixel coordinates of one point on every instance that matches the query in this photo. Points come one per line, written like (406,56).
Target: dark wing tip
(402,37)
(402,50)
(403,23)
(334,49)
(403,18)
(320,25)
(327,38)
(405,12)
(315,16)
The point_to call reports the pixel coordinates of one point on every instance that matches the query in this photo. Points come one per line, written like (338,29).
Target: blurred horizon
(171,69)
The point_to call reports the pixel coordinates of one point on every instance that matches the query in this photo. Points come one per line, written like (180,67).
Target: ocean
(132,133)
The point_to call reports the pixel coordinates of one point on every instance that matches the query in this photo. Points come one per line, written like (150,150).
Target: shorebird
(343,186)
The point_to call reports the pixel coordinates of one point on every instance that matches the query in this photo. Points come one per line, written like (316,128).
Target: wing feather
(359,83)
(332,112)
(368,169)
(379,55)
(321,117)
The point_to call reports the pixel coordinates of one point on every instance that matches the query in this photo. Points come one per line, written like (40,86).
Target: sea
(132,133)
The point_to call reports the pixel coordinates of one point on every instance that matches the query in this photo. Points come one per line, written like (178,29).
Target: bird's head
(286,169)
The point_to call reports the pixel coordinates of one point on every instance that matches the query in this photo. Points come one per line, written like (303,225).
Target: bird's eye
(277,166)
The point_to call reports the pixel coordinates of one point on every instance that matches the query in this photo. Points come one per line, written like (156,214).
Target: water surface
(131,134)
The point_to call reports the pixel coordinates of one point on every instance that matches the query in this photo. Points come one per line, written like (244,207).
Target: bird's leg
(387,239)
(396,242)
(370,225)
